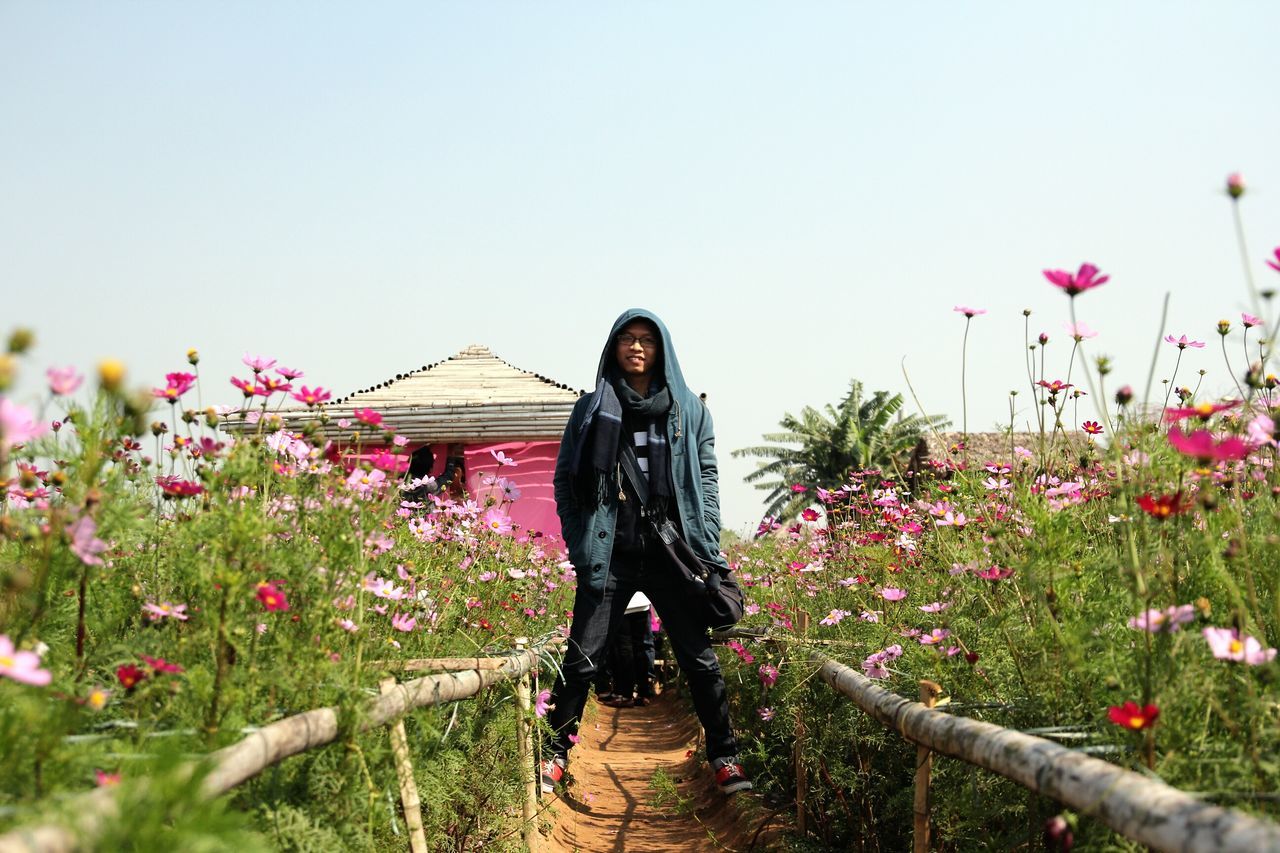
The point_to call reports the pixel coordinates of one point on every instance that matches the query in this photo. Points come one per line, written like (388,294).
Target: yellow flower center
(1236,647)
(1137,722)
(6,662)
(1204,409)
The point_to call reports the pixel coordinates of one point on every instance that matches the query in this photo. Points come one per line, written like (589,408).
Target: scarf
(604,443)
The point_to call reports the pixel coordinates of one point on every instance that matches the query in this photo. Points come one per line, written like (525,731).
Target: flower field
(172,575)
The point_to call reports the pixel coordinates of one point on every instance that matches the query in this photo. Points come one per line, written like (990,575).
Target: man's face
(637,348)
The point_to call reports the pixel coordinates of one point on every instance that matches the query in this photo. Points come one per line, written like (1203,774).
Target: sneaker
(730,776)
(552,772)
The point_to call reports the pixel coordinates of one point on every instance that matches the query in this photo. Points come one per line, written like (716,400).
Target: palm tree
(821,448)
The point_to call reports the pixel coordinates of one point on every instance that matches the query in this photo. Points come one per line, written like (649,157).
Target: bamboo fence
(291,736)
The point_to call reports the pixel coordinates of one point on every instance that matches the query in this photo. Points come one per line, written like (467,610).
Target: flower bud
(189,416)
(1235,185)
(159,428)
(1224,326)
(111,374)
(20,340)
(8,370)
(1124,396)
(1104,365)
(193,357)
(1026,312)
(1044,339)
(211,416)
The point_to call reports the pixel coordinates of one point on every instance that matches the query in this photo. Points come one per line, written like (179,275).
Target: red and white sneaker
(730,776)
(552,773)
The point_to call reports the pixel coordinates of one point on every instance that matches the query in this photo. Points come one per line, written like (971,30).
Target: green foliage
(819,448)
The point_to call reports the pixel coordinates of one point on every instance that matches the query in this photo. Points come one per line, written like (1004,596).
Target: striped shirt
(640,439)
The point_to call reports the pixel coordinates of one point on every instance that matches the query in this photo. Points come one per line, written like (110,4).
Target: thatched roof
(471,396)
(992,446)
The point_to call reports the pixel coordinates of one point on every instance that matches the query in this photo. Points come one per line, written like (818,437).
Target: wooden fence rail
(1139,808)
(277,741)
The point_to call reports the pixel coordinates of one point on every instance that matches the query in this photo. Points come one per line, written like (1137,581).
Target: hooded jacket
(589,531)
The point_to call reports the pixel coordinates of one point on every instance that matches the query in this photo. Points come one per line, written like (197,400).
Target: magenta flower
(542,703)
(995,573)
(970,312)
(766,714)
(1086,278)
(289,373)
(368,417)
(1091,427)
(1249,320)
(23,667)
(246,386)
(1225,643)
(311,396)
(63,380)
(768,674)
(17,424)
(1203,447)
(258,363)
(1184,342)
(403,622)
(892,593)
(1275,265)
(1056,386)
(799,488)
(84,544)
(1203,411)
(176,384)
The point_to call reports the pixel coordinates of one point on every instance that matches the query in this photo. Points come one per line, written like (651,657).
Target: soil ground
(611,803)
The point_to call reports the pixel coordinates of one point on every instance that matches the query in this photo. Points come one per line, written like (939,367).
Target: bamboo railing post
(529,807)
(929,693)
(802,778)
(404,772)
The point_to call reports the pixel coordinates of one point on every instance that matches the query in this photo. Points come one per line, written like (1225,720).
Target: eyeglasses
(647,342)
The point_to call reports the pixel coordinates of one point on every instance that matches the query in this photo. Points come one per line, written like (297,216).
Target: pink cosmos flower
(84,544)
(892,593)
(258,363)
(496,521)
(246,386)
(270,385)
(1184,342)
(1249,320)
(970,312)
(810,514)
(1080,332)
(799,488)
(937,635)
(766,714)
(23,667)
(289,373)
(542,703)
(1086,278)
(1275,265)
(1225,643)
(1091,427)
(1170,619)
(403,622)
(368,417)
(156,612)
(1001,485)
(103,779)
(951,519)
(834,617)
(935,607)
(995,573)
(17,423)
(503,459)
(63,380)
(768,674)
(1263,430)
(1056,386)
(1203,447)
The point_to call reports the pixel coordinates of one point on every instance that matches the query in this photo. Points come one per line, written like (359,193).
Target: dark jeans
(596,620)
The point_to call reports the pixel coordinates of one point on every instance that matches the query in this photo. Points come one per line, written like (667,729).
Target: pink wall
(532,474)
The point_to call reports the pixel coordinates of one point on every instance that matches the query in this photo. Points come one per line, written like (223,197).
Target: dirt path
(610,803)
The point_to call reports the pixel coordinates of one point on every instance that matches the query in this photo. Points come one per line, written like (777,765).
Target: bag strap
(631,468)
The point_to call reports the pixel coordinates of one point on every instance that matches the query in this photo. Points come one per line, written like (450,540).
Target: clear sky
(803,191)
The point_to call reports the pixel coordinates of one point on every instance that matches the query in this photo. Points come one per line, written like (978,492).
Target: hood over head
(671,373)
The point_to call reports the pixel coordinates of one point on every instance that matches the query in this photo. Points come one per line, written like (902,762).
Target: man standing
(640,402)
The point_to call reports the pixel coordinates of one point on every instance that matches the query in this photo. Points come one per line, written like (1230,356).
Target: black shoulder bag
(717,593)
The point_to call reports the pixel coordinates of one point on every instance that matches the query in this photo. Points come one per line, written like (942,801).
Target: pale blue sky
(803,191)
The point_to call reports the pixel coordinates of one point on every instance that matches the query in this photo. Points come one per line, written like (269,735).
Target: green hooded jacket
(589,532)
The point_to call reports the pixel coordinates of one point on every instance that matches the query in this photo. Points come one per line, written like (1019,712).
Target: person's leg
(624,674)
(692,648)
(594,620)
(643,653)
